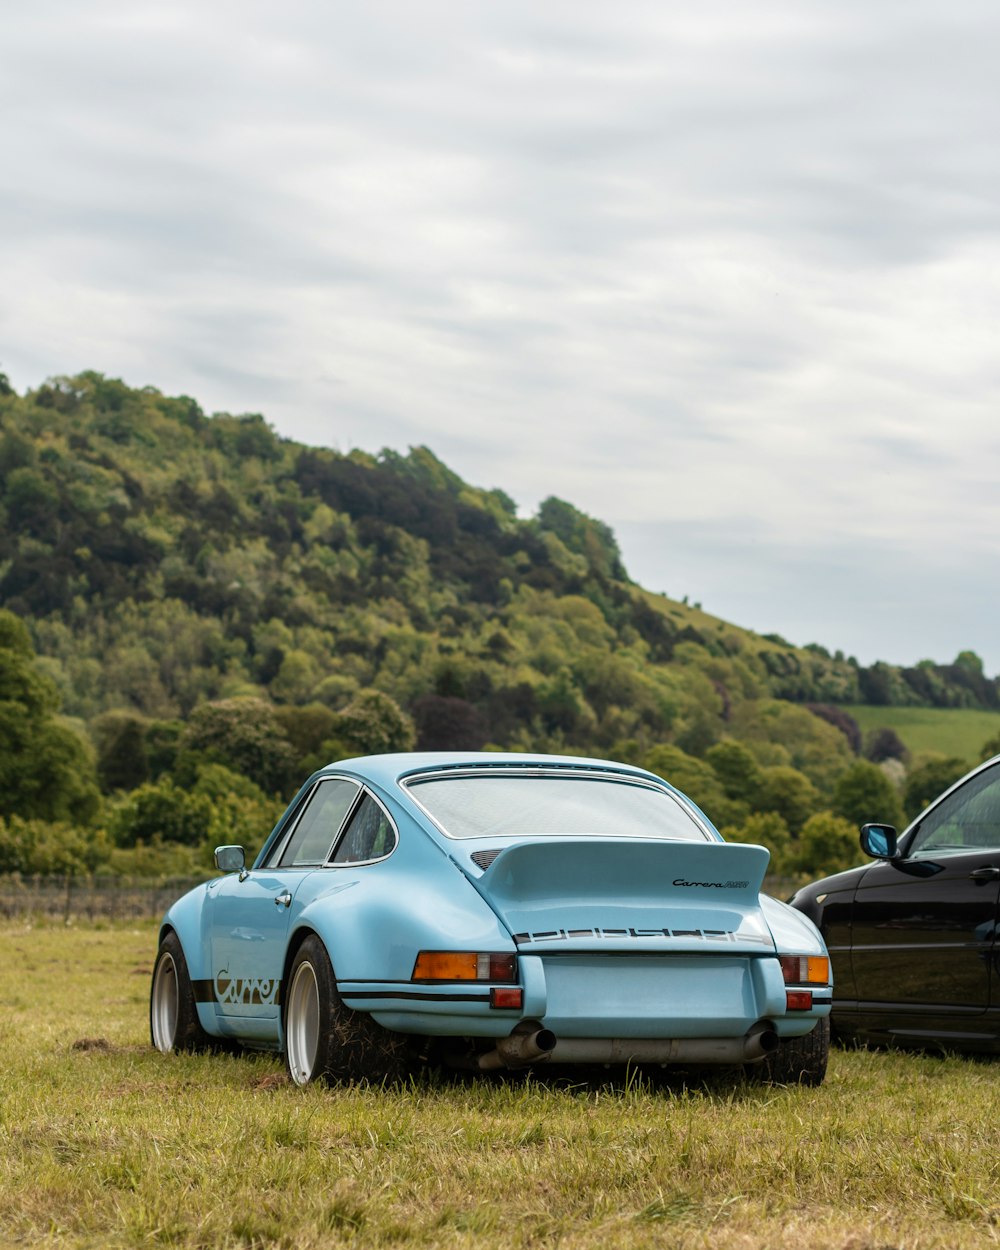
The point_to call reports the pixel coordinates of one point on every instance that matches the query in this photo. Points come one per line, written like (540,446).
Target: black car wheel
(797,1061)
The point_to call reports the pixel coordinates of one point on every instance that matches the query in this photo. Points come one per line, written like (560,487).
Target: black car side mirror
(879,841)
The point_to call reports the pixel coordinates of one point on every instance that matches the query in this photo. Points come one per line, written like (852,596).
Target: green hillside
(216,609)
(958,732)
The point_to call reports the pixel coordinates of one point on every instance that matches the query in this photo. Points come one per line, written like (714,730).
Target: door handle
(984,874)
(284,899)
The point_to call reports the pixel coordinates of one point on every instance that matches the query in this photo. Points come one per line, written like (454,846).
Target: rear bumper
(604,996)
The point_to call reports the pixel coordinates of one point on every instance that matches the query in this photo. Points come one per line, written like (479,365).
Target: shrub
(827,844)
(864,793)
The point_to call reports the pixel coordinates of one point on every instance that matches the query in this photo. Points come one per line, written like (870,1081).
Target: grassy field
(958,732)
(106,1143)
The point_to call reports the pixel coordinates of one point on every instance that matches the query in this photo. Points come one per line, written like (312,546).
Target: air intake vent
(484,858)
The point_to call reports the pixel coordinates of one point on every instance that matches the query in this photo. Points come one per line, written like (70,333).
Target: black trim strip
(204,992)
(417,997)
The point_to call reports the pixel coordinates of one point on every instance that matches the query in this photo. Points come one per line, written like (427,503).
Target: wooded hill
(164,559)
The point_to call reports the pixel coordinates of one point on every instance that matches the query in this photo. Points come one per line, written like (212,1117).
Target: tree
(827,844)
(46,770)
(737,769)
(373,724)
(698,781)
(885,744)
(39,846)
(306,728)
(789,793)
(989,748)
(841,720)
(244,734)
(161,811)
(926,782)
(447,724)
(122,761)
(764,829)
(863,793)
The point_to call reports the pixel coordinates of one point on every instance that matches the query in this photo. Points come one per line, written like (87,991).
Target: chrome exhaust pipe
(761,1041)
(519,1049)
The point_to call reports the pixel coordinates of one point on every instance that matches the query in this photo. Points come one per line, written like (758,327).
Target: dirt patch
(273,1080)
(92,1043)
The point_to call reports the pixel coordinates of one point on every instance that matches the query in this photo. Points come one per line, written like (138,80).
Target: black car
(914,936)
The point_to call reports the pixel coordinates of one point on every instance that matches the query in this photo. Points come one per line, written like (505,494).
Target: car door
(252,911)
(924,925)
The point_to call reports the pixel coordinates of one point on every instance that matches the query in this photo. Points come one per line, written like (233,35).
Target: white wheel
(173,1013)
(302,1024)
(326,1041)
(163,1004)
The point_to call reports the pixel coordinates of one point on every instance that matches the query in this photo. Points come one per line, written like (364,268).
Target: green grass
(105,1143)
(958,732)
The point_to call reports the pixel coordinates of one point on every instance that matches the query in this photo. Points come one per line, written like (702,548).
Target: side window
(369,835)
(320,823)
(968,820)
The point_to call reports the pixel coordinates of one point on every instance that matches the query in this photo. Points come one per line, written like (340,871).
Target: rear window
(492,806)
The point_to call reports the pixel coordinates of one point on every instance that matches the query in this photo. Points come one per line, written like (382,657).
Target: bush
(161,811)
(926,782)
(827,844)
(789,793)
(864,793)
(885,744)
(737,769)
(373,724)
(243,734)
(37,846)
(697,780)
(764,829)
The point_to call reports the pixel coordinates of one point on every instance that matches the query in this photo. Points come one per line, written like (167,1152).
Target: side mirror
(230,858)
(879,841)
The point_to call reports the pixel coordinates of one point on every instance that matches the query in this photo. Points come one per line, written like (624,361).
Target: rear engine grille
(484,858)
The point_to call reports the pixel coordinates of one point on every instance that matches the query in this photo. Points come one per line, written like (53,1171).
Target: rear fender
(374,920)
(792,931)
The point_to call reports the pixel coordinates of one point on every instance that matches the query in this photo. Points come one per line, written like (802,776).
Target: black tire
(326,1041)
(797,1061)
(173,1016)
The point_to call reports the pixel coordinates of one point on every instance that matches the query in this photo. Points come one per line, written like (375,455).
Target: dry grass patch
(104,1142)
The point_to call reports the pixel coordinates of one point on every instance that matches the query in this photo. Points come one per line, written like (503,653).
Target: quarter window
(369,835)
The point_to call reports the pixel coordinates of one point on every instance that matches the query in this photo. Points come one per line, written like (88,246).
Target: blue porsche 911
(493,911)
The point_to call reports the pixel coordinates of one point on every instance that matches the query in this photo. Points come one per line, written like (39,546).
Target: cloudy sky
(725,275)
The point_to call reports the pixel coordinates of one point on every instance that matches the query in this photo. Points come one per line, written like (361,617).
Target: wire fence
(138,898)
(89,898)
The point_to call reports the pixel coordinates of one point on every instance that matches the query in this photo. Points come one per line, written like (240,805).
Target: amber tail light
(465,966)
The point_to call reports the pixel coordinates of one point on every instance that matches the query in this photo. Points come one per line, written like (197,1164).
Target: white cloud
(711,272)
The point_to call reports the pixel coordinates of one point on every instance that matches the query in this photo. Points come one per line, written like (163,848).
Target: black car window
(369,835)
(967,820)
(320,823)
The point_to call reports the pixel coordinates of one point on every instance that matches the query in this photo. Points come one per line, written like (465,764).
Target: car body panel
(914,938)
(667,896)
(615,937)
